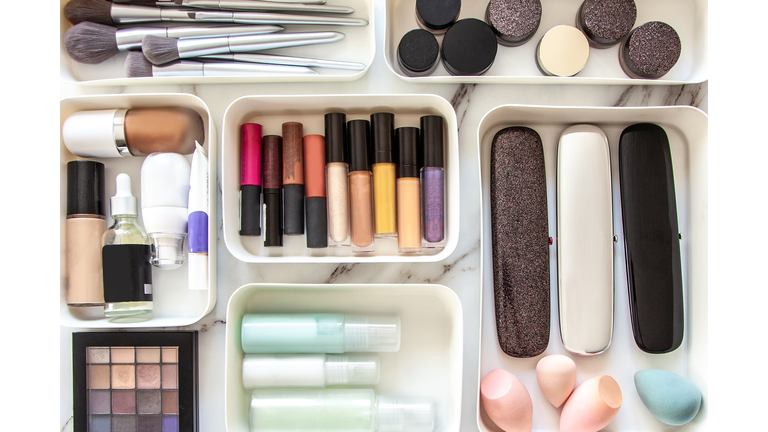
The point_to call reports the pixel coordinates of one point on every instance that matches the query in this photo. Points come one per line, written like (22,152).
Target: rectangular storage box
(359,46)
(517,65)
(428,364)
(174,304)
(686,128)
(272,111)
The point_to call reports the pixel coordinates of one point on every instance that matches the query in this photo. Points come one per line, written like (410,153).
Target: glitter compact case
(135,381)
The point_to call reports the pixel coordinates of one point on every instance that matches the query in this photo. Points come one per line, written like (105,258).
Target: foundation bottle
(408,193)
(384,206)
(360,187)
(337,181)
(84,227)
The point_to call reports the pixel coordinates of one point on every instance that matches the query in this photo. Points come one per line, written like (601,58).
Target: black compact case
(651,238)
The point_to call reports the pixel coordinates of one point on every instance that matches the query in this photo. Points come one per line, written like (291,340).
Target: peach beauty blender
(506,401)
(556,375)
(591,406)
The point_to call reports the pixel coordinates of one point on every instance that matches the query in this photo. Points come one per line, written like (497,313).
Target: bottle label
(127,273)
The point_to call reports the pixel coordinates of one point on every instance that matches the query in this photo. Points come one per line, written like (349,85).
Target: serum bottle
(126,256)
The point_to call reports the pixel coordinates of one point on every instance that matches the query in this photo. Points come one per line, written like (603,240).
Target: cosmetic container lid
(407,145)
(352,369)
(97,133)
(85,188)
(513,21)
(562,51)
(469,47)
(123,203)
(432,141)
(272,161)
(250,154)
(359,133)
(418,53)
(382,135)
(650,50)
(437,15)
(606,22)
(374,333)
(397,414)
(335,134)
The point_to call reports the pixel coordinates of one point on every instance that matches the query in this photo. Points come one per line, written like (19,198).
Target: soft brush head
(160,50)
(136,65)
(97,11)
(91,43)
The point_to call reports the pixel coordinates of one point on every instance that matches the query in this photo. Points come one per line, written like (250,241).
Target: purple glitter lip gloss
(433,181)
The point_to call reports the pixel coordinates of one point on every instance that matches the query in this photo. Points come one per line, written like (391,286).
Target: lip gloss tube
(408,194)
(360,186)
(337,178)
(433,181)
(383,134)
(293,179)
(315,202)
(250,179)
(272,166)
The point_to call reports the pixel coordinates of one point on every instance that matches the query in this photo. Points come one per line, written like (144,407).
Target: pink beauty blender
(506,401)
(591,406)
(556,375)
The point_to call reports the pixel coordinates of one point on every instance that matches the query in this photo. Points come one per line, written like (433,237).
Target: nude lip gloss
(360,186)
(250,179)
(315,202)
(293,179)
(433,181)
(385,210)
(271,157)
(408,194)
(337,178)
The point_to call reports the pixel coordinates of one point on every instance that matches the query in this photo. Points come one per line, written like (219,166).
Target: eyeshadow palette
(135,382)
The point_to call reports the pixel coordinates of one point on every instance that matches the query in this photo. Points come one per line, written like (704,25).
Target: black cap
(469,47)
(85,188)
(383,135)
(335,134)
(359,135)
(432,140)
(418,53)
(437,15)
(408,154)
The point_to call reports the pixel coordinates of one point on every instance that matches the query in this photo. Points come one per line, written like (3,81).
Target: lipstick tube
(272,167)
(293,179)
(337,178)
(360,186)
(315,201)
(433,181)
(384,206)
(408,194)
(250,179)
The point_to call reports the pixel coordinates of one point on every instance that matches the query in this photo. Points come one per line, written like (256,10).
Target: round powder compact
(606,22)
(469,47)
(650,50)
(563,51)
(513,21)
(418,53)
(437,15)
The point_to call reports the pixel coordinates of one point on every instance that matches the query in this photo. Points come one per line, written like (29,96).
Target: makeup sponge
(556,375)
(669,397)
(506,401)
(591,406)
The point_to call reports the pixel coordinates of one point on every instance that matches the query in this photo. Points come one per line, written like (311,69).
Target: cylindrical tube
(309,370)
(197,227)
(250,179)
(196,47)
(360,187)
(337,182)
(272,167)
(84,227)
(408,195)
(316,204)
(273,18)
(433,181)
(130,38)
(384,205)
(293,179)
(249,5)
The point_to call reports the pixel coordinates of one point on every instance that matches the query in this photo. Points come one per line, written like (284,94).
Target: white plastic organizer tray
(428,364)
(272,111)
(686,128)
(174,304)
(359,45)
(517,65)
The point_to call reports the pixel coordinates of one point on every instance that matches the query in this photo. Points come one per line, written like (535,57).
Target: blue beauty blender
(669,397)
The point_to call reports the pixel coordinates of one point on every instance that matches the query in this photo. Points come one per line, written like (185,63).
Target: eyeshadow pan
(123,377)
(170,402)
(149,402)
(122,354)
(170,424)
(148,376)
(170,354)
(100,424)
(98,355)
(123,402)
(98,402)
(123,424)
(170,376)
(147,354)
(150,423)
(98,376)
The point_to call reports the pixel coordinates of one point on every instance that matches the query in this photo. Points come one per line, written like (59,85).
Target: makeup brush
(256,5)
(104,12)
(171,2)
(93,43)
(160,50)
(272,18)
(285,60)
(136,65)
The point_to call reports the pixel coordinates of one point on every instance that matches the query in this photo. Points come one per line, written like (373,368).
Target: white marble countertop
(460,271)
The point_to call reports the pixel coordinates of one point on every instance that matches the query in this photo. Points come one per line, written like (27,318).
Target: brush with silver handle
(93,43)
(256,5)
(136,65)
(271,18)
(286,60)
(171,2)
(160,50)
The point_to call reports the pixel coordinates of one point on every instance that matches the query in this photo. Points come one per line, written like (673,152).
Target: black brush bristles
(160,50)
(91,43)
(97,11)
(136,65)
